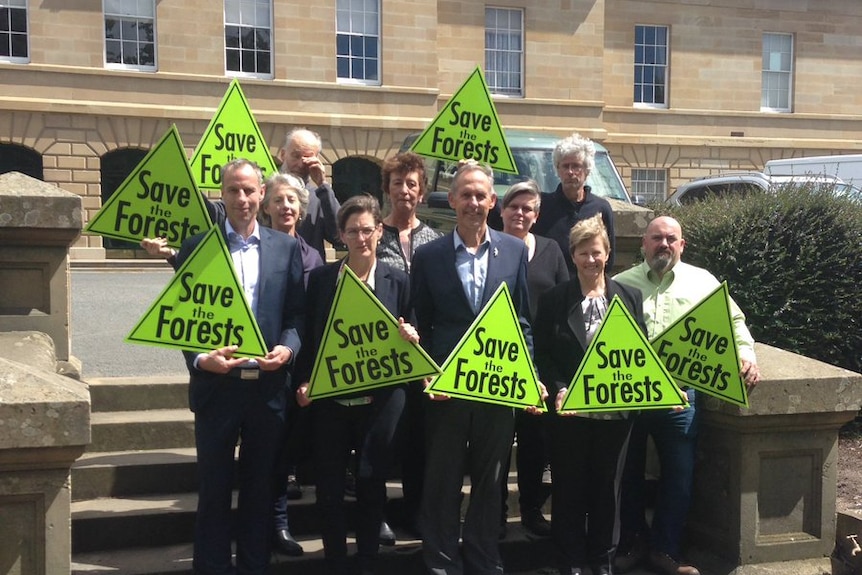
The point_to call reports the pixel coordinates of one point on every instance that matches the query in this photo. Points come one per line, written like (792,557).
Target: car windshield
(539,165)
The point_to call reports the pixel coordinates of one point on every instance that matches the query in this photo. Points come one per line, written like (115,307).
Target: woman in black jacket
(588,450)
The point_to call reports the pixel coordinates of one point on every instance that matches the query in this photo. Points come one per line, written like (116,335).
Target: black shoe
(349,483)
(293,491)
(285,544)
(632,556)
(534,522)
(601,570)
(387,536)
(504,530)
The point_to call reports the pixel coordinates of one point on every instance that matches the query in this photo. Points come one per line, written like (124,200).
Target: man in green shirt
(670,288)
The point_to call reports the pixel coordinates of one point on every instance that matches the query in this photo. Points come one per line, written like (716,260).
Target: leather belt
(246,373)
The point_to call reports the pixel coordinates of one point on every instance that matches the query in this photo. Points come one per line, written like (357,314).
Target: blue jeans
(675,437)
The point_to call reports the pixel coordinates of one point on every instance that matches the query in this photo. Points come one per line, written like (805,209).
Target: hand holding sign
(491,363)
(359,350)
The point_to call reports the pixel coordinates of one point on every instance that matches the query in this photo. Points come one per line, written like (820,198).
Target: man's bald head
(663,244)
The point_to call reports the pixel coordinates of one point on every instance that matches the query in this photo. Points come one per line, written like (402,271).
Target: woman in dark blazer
(587,450)
(364,422)
(546,267)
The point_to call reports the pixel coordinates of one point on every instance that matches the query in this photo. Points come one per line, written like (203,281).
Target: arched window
(352,176)
(16,158)
(116,167)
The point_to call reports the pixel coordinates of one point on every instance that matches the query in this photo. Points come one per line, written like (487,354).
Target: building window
(130,34)
(504,51)
(248,37)
(650,185)
(116,166)
(13,31)
(651,51)
(16,158)
(357,41)
(777,72)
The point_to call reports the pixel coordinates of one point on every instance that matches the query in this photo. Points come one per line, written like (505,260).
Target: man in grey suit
(452,278)
(235,397)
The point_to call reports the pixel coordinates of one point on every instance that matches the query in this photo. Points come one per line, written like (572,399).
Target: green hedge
(793,262)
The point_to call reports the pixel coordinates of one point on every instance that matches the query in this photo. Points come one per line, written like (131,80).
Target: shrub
(793,262)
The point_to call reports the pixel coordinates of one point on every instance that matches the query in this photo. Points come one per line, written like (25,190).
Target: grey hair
(576,145)
(527,187)
(293,132)
(278,181)
(469,166)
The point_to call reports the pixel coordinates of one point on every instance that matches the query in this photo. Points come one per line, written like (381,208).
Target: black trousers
(587,458)
(370,430)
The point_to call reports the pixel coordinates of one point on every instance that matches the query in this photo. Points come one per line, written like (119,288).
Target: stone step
(522,555)
(141,430)
(130,473)
(138,393)
(168,518)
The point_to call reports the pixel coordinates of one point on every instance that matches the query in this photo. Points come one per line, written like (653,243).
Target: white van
(847,168)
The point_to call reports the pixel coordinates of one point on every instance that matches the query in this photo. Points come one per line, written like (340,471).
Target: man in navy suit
(234,397)
(452,278)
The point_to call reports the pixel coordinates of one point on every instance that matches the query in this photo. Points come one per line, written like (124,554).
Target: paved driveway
(106,305)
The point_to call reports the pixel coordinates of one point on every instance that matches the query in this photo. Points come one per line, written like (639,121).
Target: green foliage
(793,262)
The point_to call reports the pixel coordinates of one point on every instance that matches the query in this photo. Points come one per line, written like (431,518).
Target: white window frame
(650,184)
(7,34)
(651,59)
(357,28)
(139,11)
(504,47)
(249,16)
(776,89)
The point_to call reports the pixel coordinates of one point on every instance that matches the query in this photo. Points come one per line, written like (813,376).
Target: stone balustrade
(766,476)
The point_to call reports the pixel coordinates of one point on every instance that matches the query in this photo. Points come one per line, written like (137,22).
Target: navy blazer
(391,287)
(280,306)
(443,313)
(560,333)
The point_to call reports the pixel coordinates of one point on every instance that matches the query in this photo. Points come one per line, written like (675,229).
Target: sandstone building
(673,88)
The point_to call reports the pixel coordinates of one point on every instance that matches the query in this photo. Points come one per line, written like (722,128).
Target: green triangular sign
(699,349)
(361,348)
(491,363)
(468,128)
(203,307)
(158,199)
(232,133)
(620,370)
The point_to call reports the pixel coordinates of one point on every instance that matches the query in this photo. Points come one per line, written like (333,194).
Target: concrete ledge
(40,409)
(765,480)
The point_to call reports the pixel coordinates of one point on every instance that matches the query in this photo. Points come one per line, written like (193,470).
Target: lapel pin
(495,252)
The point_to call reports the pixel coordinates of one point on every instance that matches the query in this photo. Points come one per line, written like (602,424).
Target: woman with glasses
(363,421)
(546,267)
(587,450)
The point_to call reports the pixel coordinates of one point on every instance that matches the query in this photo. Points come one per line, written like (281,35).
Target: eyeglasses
(574,166)
(354,233)
(525,209)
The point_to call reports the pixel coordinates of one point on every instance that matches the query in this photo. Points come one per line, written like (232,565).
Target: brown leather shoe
(664,563)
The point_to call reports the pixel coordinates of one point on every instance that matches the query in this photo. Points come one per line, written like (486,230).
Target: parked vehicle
(533,155)
(847,167)
(742,183)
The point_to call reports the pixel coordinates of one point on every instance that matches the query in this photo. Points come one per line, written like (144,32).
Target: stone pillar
(766,476)
(630,223)
(44,427)
(38,223)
